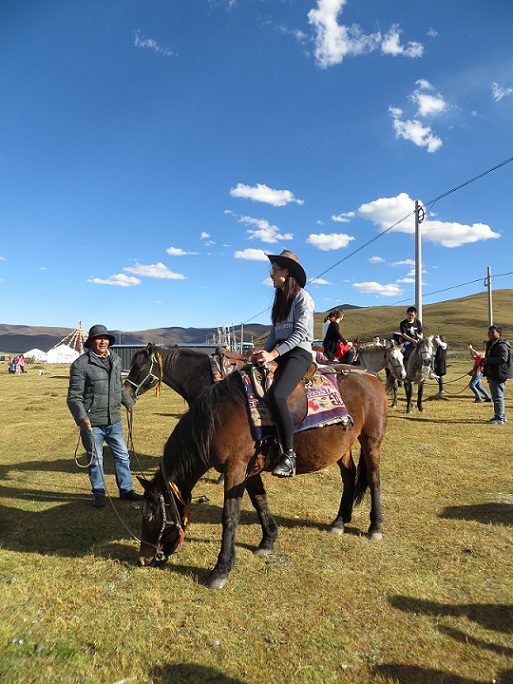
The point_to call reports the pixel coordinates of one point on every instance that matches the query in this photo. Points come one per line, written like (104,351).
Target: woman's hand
(262,357)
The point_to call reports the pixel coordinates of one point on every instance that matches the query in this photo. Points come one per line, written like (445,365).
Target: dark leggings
(292,367)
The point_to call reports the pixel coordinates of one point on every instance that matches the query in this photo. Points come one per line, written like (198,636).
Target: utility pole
(488,283)
(419,217)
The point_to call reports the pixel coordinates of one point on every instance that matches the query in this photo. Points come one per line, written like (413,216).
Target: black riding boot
(287,466)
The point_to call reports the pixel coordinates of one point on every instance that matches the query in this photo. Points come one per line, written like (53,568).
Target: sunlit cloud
(387,211)
(498,92)
(319,281)
(152,45)
(251,254)
(264,231)
(204,236)
(376,260)
(343,218)
(119,280)
(334,41)
(329,242)
(176,251)
(262,193)
(158,270)
(414,131)
(390,290)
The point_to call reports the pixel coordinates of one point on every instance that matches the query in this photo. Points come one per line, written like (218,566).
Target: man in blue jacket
(95,395)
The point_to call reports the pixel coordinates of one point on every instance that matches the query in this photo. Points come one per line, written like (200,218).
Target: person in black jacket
(95,395)
(497,368)
(334,336)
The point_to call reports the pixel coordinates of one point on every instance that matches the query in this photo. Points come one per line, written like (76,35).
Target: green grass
(432,602)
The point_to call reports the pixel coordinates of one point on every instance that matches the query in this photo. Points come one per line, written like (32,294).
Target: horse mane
(188,448)
(174,355)
(371,347)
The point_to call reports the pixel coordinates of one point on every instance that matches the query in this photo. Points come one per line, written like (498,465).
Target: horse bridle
(176,521)
(395,363)
(156,360)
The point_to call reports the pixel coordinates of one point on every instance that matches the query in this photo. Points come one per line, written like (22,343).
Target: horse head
(426,350)
(165,516)
(145,371)
(395,360)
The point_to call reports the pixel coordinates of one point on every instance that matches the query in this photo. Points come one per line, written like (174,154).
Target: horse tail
(361,483)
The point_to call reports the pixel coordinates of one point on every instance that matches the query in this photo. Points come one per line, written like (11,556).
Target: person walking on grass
(498,369)
(477,374)
(95,395)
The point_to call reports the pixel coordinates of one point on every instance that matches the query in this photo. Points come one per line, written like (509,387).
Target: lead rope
(94,455)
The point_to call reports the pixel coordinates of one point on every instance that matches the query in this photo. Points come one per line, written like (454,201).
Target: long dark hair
(283,299)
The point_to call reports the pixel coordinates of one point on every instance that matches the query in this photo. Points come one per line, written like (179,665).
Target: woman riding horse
(289,344)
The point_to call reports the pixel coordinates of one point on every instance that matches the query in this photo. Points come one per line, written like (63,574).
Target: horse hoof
(337,529)
(216,582)
(376,536)
(263,552)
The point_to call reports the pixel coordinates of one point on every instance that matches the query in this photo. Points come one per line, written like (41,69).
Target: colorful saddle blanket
(325,406)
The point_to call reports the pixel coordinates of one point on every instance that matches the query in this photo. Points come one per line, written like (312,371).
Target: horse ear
(149,349)
(146,484)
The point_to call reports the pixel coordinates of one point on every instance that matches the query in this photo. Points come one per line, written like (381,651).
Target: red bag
(342,349)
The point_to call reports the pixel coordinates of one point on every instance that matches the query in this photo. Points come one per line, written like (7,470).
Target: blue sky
(153,153)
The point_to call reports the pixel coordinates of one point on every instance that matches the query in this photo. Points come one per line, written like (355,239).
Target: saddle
(227,361)
(263,377)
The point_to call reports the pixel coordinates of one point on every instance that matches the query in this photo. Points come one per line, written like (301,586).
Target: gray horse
(418,363)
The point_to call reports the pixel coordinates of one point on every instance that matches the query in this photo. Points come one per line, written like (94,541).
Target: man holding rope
(95,395)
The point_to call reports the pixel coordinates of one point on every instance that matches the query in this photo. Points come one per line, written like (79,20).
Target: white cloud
(376,260)
(262,193)
(320,281)
(176,251)
(390,45)
(387,211)
(415,131)
(251,254)
(498,92)
(204,236)
(326,242)
(152,44)
(2,258)
(428,103)
(390,290)
(334,41)
(154,271)
(343,218)
(407,281)
(120,280)
(405,262)
(264,230)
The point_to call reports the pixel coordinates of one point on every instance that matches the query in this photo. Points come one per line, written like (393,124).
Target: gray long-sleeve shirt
(297,330)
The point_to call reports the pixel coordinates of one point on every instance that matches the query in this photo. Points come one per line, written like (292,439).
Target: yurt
(62,354)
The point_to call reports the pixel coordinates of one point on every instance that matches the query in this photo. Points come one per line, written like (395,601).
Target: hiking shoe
(488,400)
(99,501)
(287,466)
(478,401)
(496,421)
(131,496)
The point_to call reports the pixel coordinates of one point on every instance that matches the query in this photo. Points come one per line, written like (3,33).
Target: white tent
(62,354)
(35,355)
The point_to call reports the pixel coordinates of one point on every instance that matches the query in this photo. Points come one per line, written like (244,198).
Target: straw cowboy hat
(290,261)
(99,331)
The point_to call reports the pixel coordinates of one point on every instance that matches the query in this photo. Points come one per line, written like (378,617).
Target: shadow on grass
(413,674)
(497,618)
(68,465)
(495,513)
(189,673)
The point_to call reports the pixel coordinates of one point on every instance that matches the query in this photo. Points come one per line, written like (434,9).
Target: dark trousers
(292,368)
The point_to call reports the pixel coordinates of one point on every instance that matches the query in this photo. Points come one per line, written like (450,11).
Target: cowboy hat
(99,331)
(290,261)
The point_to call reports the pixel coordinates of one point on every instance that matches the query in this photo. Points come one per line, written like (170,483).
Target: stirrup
(287,466)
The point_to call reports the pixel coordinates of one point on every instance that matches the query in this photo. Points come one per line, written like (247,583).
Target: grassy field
(431,604)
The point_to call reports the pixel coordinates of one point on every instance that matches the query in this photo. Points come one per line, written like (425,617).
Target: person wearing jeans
(497,368)
(95,395)
(477,374)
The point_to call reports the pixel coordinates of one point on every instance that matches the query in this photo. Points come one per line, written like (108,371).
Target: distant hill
(463,321)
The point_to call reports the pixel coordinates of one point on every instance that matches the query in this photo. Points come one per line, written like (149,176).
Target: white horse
(375,357)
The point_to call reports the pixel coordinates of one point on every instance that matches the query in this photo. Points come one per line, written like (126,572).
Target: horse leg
(256,490)
(345,511)
(231,514)
(394,394)
(408,388)
(369,475)
(419,397)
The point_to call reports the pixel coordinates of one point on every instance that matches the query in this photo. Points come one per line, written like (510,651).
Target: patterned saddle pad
(325,406)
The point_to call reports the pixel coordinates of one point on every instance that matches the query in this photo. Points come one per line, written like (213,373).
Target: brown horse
(185,370)
(216,433)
